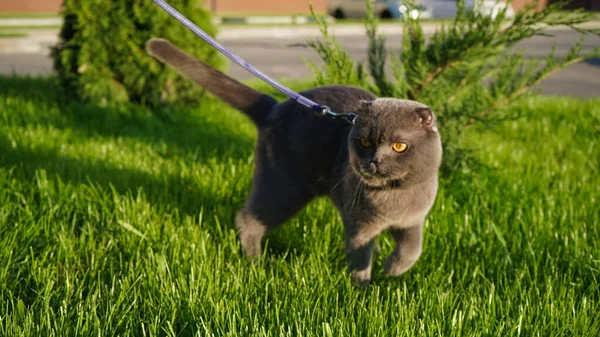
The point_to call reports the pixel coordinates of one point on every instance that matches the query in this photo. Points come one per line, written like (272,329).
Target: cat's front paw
(361,278)
(396,266)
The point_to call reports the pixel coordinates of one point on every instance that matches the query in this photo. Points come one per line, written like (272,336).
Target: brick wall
(30,6)
(232,7)
(586,4)
(519,4)
(219,6)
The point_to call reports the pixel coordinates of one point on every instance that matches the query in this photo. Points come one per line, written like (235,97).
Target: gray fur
(300,156)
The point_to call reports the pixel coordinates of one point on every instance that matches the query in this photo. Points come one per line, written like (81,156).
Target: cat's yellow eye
(399,147)
(365,142)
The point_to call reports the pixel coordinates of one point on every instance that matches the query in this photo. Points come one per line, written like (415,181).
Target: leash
(321,110)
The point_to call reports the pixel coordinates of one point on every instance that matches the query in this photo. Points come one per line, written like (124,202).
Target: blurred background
(263,32)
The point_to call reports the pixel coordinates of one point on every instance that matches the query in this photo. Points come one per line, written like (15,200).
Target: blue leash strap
(322,110)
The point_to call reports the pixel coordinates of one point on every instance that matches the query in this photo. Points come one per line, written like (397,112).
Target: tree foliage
(101,58)
(467,70)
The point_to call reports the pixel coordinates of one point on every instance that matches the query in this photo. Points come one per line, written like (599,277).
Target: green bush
(465,71)
(101,58)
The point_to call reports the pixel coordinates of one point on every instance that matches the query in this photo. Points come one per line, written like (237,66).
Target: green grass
(31,28)
(28,15)
(9,34)
(118,221)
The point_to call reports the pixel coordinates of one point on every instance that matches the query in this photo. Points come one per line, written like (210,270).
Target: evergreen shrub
(467,71)
(101,58)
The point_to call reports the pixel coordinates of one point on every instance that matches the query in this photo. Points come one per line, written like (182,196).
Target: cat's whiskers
(344,176)
(357,193)
(351,201)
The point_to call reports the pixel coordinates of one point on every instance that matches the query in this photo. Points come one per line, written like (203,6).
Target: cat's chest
(402,208)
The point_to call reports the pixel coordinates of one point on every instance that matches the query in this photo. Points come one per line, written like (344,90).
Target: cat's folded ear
(427,119)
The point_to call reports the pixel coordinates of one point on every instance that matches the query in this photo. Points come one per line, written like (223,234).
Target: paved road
(277,58)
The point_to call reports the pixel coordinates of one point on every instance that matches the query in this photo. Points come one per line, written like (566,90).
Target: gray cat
(381,173)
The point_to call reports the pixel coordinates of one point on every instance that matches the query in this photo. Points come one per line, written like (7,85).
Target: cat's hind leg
(271,203)
(409,244)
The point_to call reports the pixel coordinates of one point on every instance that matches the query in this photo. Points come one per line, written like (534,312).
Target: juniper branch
(432,76)
(524,89)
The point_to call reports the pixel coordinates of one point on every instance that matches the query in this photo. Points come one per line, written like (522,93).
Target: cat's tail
(255,104)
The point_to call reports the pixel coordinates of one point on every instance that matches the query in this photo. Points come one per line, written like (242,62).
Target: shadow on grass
(37,89)
(178,127)
(171,192)
(182,131)
(185,133)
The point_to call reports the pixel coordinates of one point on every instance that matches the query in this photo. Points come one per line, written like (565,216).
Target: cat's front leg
(359,261)
(360,243)
(409,244)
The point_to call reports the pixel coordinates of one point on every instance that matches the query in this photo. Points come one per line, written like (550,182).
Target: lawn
(5,34)
(119,221)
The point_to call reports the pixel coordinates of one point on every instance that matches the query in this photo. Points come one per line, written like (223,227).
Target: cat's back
(340,98)
(308,147)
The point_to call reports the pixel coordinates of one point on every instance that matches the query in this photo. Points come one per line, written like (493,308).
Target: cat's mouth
(376,179)
(371,177)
